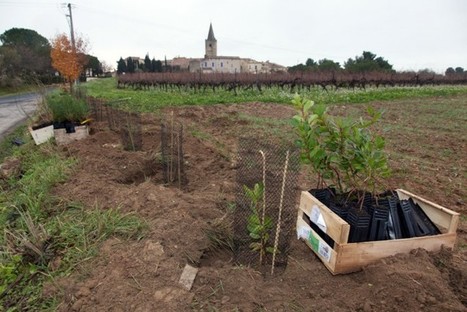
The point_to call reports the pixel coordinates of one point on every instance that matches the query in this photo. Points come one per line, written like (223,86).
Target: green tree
(310,63)
(328,65)
(449,71)
(367,62)
(130,65)
(147,64)
(297,68)
(459,70)
(32,50)
(94,65)
(156,66)
(121,66)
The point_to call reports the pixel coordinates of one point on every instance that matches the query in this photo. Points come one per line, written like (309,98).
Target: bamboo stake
(278,227)
(171,147)
(179,154)
(263,155)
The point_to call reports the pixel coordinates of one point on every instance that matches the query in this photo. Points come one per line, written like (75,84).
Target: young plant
(259,225)
(310,125)
(342,152)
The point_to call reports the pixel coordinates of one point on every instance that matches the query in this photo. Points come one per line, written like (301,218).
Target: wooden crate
(63,138)
(350,257)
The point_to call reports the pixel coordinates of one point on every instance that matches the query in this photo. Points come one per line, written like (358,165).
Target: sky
(409,34)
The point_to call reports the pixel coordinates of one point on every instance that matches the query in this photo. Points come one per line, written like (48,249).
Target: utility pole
(71,28)
(72,35)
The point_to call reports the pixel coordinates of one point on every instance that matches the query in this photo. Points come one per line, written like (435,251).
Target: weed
(37,229)
(219,234)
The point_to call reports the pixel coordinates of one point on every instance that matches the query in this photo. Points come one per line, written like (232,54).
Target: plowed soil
(428,159)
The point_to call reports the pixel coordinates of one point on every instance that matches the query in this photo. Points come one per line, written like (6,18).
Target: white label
(317,218)
(324,250)
(303,232)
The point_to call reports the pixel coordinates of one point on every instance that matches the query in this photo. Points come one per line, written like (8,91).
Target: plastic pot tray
(343,257)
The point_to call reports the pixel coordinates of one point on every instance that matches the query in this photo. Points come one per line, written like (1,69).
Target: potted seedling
(346,216)
(346,157)
(70,117)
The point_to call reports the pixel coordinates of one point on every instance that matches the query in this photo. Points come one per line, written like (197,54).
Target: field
(426,133)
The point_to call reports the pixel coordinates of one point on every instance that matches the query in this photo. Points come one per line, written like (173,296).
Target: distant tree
(297,68)
(32,50)
(121,66)
(366,63)
(328,65)
(156,65)
(147,64)
(68,60)
(459,70)
(310,63)
(449,71)
(9,62)
(130,65)
(94,65)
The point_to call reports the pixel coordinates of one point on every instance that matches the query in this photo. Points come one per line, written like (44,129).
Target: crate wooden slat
(63,138)
(347,257)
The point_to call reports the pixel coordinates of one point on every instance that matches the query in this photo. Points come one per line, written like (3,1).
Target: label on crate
(303,232)
(324,251)
(317,218)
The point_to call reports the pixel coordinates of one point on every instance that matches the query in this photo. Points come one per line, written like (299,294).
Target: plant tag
(324,251)
(317,218)
(303,232)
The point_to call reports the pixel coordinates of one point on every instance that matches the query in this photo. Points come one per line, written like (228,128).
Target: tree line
(26,57)
(365,63)
(132,65)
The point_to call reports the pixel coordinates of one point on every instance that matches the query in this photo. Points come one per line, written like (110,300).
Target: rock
(83,292)
(152,252)
(77,305)
(188,276)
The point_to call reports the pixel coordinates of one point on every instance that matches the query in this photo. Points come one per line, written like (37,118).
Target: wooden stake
(278,227)
(263,155)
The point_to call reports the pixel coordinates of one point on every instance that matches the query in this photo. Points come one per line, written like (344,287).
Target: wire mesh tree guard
(263,226)
(172,153)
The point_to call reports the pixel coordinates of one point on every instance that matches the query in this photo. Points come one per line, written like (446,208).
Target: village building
(213,63)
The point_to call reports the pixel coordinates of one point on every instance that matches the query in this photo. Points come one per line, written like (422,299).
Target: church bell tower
(210,44)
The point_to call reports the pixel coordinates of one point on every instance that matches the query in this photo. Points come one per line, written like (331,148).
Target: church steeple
(211,33)
(210,44)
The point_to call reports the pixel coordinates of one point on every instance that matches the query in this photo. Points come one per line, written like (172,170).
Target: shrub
(64,107)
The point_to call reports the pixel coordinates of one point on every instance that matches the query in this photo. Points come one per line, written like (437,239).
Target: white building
(212,63)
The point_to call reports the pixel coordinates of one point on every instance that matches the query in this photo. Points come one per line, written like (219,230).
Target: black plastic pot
(379,221)
(67,125)
(394,224)
(359,221)
(323,195)
(339,209)
(407,219)
(424,225)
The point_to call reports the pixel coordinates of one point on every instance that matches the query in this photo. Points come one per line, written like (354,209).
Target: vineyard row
(290,81)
